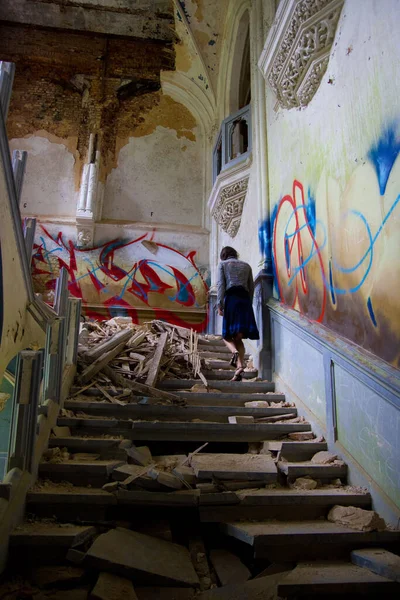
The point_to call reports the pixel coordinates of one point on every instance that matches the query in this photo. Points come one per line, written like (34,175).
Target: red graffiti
(295,252)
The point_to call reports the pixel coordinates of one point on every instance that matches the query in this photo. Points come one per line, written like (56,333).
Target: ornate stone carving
(84,238)
(296,53)
(229,206)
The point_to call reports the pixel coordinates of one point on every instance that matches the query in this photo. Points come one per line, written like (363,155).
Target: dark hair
(228,252)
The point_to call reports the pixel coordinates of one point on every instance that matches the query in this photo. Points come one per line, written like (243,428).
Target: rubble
(324,458)
(136,356)
(305,483)
(356,518)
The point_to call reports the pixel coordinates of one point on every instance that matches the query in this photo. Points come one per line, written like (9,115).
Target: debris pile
(119,354)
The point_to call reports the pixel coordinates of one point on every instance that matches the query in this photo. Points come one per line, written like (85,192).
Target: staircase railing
(26,321)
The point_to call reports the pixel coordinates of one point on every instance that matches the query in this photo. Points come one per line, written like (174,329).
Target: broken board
(235,466)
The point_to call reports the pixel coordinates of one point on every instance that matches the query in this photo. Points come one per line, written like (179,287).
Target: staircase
(242,491)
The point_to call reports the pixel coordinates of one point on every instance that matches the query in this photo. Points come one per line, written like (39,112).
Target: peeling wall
(334,171)
(159,175)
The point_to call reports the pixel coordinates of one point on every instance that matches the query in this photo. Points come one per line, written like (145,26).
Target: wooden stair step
(285,503)
(95,473)
(209,432)
(227,399)
(172,413)
(298,535)
(217,353)
(235,466)
(301,451)
(333,577)
(224,375)
(40,533)
(301,469)
(74,495)
(97,445)
(239,387)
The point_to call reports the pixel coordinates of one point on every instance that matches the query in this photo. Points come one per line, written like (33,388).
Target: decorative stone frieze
(228,196)
(297,50)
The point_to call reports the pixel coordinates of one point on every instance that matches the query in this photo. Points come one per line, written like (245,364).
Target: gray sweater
(234,272)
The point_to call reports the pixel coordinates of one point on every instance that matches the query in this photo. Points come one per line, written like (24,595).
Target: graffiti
(121,278)
(344,245)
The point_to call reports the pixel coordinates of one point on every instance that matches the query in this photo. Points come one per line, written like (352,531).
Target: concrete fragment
(186,473)
(167,479)
(132,554)
(378,561)
(112,587)
(228,567)
(124,444)
(241,420)
(264,588)
(61,431)
(139,456)
(85,457)
(111,487)
(55,576)
(324,458)
(305,483)
(301,436)
(356,518)
(257,404)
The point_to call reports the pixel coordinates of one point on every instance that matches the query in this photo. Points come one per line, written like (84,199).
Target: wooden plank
(209,432)
(43,534)
(179,413)
(333,577)
(116,340)
(140,388)
(235,466)
(239,387)
(156,360)
(263,533)
(379,561)
(100,363)
(301,469)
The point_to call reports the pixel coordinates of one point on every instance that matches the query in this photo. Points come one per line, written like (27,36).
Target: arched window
(234,139)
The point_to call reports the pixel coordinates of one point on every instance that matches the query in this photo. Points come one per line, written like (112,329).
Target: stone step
(225,375)
(213,347)
(218,364)
(37,534)
(153,412)
(246,467)
(293,470)
(300,539)
(218,354)
(299,451)
(238,387)
(284,504)
(107,447)
(213,342)
(183,432)
(334,577)
(227,399)
(95,473)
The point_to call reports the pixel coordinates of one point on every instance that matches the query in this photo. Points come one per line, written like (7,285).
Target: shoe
(238,376)
(234,359)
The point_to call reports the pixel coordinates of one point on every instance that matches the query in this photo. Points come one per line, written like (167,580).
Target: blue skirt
(239,315)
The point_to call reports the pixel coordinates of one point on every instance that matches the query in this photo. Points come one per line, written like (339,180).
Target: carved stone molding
(297,50)
(228,196)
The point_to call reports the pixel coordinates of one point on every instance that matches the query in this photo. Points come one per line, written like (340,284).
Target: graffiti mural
(336,256)
(123,277)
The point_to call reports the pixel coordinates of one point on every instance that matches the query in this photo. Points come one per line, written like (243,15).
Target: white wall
(159,178)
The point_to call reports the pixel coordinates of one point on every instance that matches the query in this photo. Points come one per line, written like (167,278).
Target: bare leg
(240,348)
(230,344)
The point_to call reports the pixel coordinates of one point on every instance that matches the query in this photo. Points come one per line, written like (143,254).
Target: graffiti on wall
(336,255)
(122,277)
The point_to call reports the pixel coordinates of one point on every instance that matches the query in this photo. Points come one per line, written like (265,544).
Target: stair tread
(283,532)
(328,576)
(234,466)
(43,533)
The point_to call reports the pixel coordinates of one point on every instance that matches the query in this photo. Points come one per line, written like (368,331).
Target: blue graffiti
(371,312)
(383,155)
